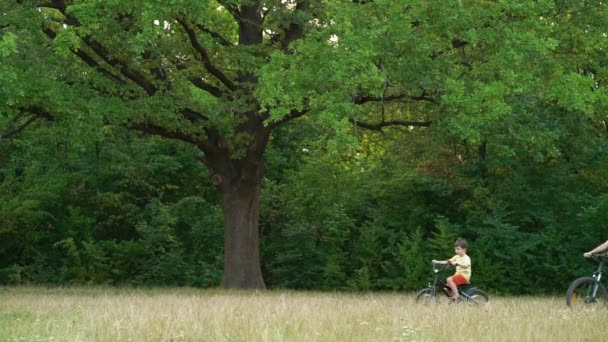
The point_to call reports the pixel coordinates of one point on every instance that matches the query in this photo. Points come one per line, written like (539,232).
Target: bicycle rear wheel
(426,296)
(586,293)
(477,296)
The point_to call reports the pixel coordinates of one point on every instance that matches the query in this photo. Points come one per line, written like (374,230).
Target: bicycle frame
(597,275)
(440,284)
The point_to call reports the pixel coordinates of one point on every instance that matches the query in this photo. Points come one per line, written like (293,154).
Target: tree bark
(239,184)
(241,208)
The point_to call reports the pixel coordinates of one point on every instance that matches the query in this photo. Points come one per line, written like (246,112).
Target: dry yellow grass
(108,314)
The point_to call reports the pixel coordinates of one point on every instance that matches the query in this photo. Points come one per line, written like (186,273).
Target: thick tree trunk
(241,207)
(239,183)
(239,180)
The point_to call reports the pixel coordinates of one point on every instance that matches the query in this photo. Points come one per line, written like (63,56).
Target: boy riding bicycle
(463,267)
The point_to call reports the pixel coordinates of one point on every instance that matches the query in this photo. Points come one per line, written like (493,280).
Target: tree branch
(294,114)
(250,23)
(149,128)
(40,113)
(231,9)
(199,83)
(88,59)
(379,126)
(423,97)
(295,31)
(125,70)
(383,123)
(204,57)
(35,113)
(192,115)
(15,131)
(215,35)
(56,4)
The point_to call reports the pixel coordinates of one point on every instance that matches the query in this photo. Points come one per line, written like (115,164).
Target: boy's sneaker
(455,299)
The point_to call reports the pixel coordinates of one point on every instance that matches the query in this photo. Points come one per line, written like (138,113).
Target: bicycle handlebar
(596,256)
(438,266)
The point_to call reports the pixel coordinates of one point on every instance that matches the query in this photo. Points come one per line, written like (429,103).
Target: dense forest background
(365,211)
(135,138)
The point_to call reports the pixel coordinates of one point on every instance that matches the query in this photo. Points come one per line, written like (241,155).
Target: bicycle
(467,292)
(588,292)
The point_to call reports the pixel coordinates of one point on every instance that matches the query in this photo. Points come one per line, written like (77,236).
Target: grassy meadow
(185,314)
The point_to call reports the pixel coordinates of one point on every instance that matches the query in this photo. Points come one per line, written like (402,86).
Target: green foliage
(413,261)
(526,219)
(71,269)
(163,258)
(511,155)
(114,211)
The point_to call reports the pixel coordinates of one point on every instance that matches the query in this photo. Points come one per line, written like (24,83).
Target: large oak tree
(223,74)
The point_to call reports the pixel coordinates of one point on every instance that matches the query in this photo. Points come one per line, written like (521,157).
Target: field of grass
(111,314)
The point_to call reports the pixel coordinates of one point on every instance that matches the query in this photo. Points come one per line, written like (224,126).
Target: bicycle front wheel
(586,293)
(426,296)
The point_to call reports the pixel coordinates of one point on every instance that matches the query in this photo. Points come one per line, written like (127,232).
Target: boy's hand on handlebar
(587,255)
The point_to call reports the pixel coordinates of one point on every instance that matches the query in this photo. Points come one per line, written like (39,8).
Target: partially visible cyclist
(599,249)
(589,292)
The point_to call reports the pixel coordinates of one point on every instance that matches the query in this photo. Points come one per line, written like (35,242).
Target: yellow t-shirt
(464,265)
